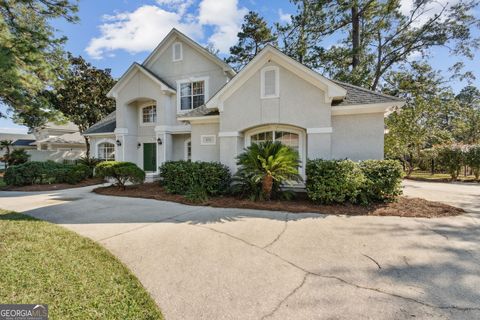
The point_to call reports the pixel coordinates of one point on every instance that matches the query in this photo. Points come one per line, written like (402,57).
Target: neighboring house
(183,103)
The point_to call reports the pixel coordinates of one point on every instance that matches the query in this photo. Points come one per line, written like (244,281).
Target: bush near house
(338,181)
(48,172)
(197,180)
(121,172)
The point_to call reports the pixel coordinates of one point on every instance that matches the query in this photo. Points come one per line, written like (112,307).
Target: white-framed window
(191,94)
(290,136)
(208,140)
(270,82)
(149,114)
(177,51)
(106,151)
(188,149)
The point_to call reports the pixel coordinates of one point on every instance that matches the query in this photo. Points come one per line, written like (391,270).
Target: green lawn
(44,263)
(423,175)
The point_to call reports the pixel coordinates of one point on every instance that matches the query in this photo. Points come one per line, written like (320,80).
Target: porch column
(165,150)
(319,143)
(231,145)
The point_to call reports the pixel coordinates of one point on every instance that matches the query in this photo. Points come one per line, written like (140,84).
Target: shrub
(121,172)
(45,172)
(472,159)
(334,181)
(267,166)
(17,157)
(186,177)
(451,158)
(383,180)
(89,162)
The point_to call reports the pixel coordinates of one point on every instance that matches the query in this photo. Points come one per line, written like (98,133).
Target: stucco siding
(178,143)
(205,152)
(358,137)
(299,104)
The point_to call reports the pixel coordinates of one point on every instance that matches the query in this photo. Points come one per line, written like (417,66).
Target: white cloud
(430,9)
(284,17)
(142,29)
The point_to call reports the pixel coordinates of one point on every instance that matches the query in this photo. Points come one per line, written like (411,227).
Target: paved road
(211,263)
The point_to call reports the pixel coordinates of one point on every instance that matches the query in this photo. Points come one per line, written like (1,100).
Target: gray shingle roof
(358,95)
(200,112)
(106,125)
(23,142)
(155,76)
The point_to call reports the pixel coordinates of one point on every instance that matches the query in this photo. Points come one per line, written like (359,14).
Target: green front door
(149,157)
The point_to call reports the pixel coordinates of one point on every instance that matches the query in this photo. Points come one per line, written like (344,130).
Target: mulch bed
(53,186)
(404,207)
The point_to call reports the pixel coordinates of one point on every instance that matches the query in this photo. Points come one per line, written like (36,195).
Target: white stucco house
(183,102)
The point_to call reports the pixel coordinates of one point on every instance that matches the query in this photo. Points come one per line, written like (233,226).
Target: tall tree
(468,119)
(372,37)
(253,37)
(30,52)
(82,94)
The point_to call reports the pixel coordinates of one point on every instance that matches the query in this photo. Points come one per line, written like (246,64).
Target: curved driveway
(212,263)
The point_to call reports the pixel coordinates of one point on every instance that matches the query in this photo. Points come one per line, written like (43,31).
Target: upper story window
(270,84)
(192,95)
(177,51)
(149,114)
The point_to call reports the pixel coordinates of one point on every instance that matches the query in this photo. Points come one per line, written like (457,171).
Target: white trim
(173,129)
(320,130)
(177,43)
(366,108)
(94,134)
(302,150)
(277,82)
(185,149)
(207,136)
(230,134)
(204,119)
(121,131)
(206,88)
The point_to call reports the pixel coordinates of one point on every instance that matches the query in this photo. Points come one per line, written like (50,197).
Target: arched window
(106,151)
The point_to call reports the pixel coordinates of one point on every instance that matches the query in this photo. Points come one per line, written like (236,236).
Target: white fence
(57,155)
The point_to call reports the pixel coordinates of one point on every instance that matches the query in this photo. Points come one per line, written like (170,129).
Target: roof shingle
(106,125)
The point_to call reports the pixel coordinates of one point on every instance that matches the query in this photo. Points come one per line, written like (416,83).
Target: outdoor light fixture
(159,141)
(119,143)
(139,145)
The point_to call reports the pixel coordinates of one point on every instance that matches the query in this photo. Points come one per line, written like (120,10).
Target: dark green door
(149,157)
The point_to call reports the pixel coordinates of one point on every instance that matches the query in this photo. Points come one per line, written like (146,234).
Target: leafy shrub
(186,177)
(36,172)
(266,166)
(383,180)
(90,162)
(17,157)
(121,172)
(334,181)
(196,194)
(451,158)
(472,159)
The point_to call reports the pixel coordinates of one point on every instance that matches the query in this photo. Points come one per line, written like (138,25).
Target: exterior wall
(358,137)
(299,104)
(178,146)
(96,140)
(56,155)
(205,152)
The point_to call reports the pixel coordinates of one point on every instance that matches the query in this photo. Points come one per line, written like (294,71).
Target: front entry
(150,157)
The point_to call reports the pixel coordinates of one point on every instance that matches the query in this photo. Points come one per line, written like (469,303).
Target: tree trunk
(267,185)
(87,144)
(355,35)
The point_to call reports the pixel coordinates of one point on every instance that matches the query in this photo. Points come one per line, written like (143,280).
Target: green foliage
(383,180)
(35,172)
(266,166)
(90,162)
(197,180)
(17,156)
(121,172)
(334,181)
(253,37)
(451,158)
(472,159)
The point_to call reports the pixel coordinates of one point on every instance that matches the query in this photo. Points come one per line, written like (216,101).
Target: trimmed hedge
(186,177)
(121,172)
(338,181)
(48,172)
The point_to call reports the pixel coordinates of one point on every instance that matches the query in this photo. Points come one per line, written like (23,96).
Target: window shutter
(270,85)
(177,51)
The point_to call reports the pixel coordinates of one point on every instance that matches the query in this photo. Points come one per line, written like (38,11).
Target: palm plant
(268,165)
(6,144)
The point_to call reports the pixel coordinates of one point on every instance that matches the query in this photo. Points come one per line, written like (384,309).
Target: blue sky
(114,33)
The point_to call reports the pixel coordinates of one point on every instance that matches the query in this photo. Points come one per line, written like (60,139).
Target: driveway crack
(374,261)
(280,234)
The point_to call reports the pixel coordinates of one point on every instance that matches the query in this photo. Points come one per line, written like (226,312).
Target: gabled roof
(359,96)
(69,138)
(333,91)
(132,70)
(175,33)
(106,125)
(201,111)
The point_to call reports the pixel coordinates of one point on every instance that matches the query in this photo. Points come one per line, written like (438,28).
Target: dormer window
(149,114)
(177,51)
(270,85)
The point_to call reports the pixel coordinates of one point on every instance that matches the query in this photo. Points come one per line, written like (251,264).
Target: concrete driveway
(210,263)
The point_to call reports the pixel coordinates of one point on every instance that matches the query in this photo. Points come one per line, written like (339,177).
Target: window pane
(288,138)
(198,101)
(106,151)
(149,114)
(198,87)
(185,89)
(186,103)
(270,83)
